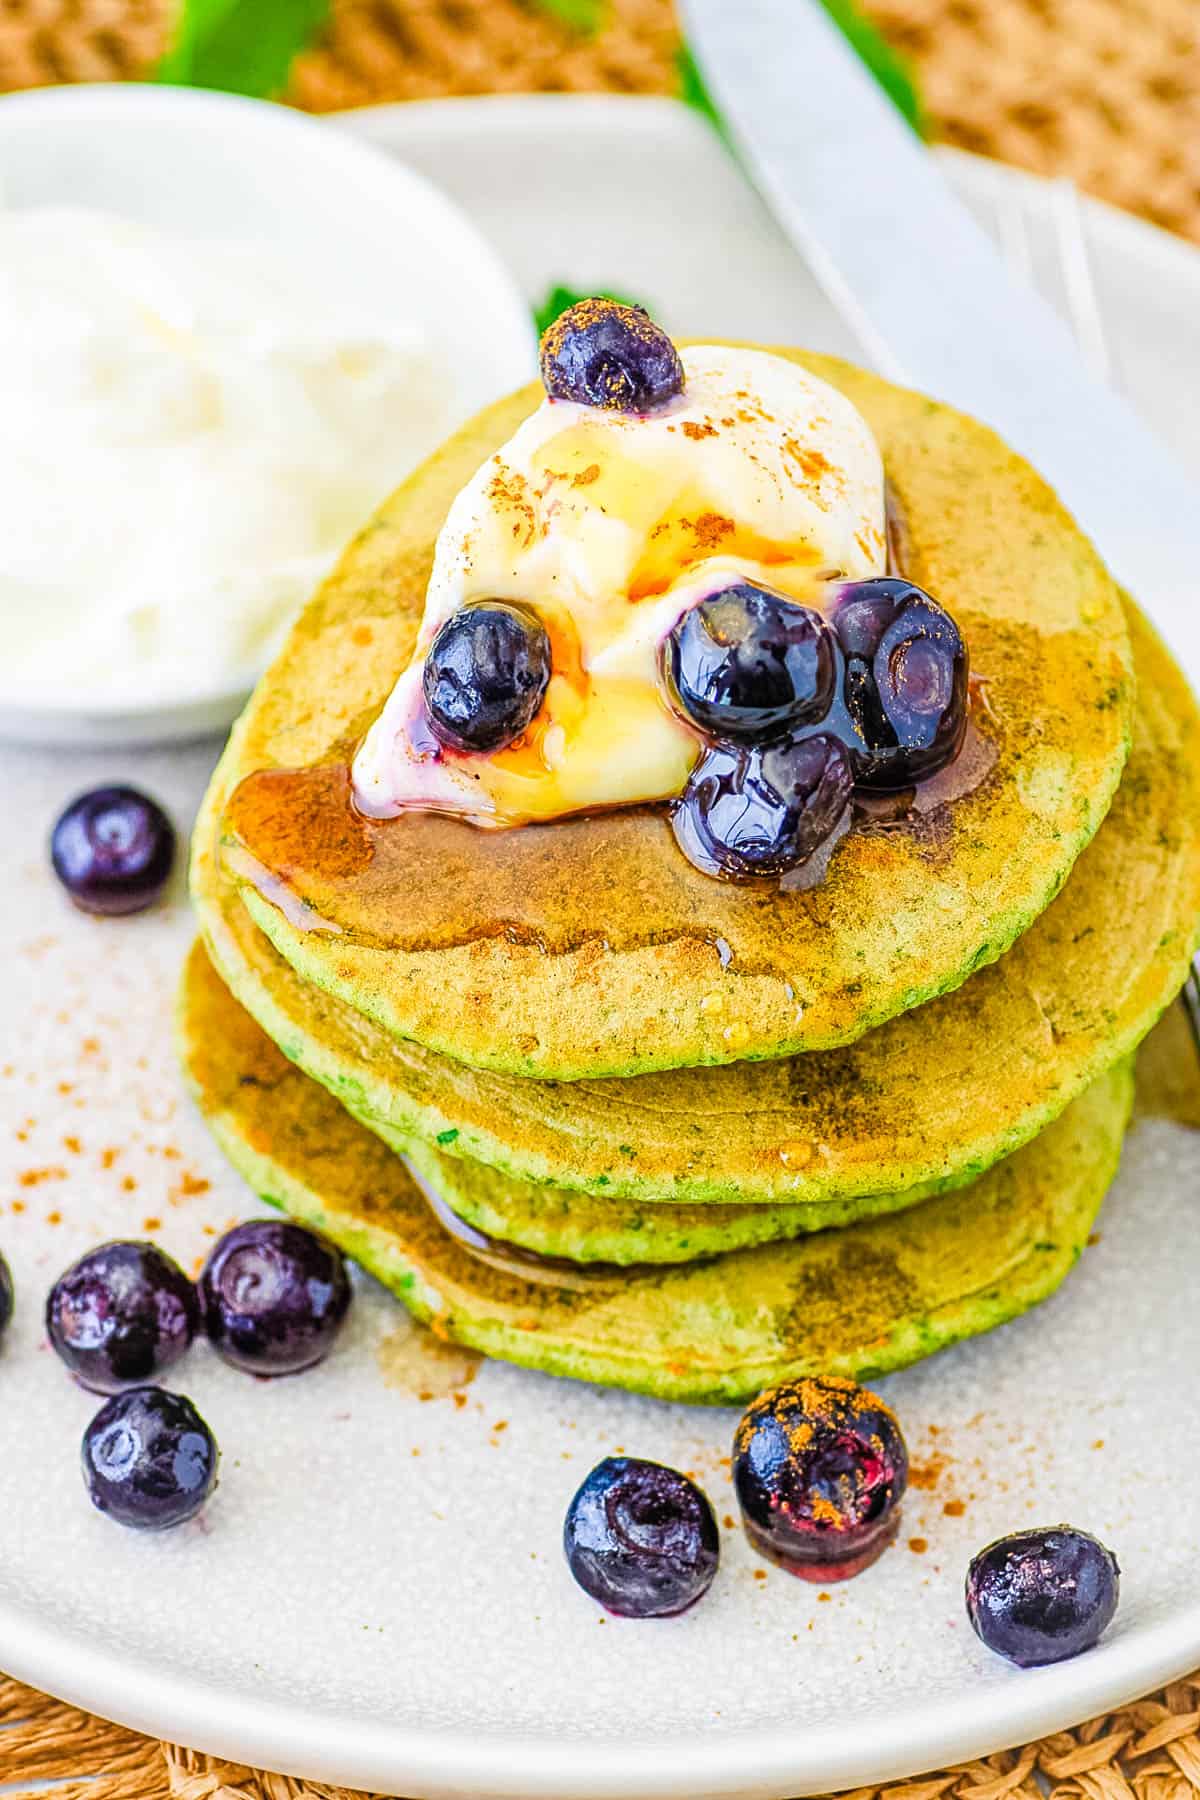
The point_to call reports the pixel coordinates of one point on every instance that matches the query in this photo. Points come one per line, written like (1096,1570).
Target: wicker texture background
(1148,1751)
(1104,91)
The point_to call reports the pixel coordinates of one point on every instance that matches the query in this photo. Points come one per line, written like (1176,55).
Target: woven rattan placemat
(1147,1751)
(1104,91)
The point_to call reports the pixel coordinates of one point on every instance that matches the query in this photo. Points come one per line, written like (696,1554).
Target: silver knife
(930,297)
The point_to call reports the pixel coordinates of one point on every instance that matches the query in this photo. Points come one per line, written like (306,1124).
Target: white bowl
(209,165)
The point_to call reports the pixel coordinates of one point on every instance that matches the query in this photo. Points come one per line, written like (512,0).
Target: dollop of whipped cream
(609,526)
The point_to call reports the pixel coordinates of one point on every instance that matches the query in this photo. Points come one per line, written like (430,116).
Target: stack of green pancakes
(586,1108)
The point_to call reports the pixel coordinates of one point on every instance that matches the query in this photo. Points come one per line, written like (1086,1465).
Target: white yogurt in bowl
(225,334)
(191,432)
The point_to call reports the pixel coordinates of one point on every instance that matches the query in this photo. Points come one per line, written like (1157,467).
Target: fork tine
(1191,1000)
(1013,232)
(1079,287)
(1019,213)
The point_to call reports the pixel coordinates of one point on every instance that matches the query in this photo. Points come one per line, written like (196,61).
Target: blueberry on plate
(1042,1596)
(6,1294)
(904,690)
(149,1460)
(750,663)
(751,812)
(485,676)
(113,850)
(641,1538)
(275,1295)
(820,1467)
(602,353)
(121,1315)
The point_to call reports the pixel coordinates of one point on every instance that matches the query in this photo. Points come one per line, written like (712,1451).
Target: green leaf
(559,299)
(888,68)
(241,46)
(194,20)
(585,16)
(693,89)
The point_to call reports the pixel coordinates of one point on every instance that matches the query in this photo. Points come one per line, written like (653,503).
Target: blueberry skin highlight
(641,1539)
(1042,1596)
(820,1467)
(902,710)
(122,1314)
(749,663)
(113,850)
(751,812)
(149,1459)
(601,353)
(274,1296)
(485,676)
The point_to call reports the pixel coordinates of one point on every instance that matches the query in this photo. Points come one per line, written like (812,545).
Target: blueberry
(641,1539)
(904,690)
(275,1295)
(750,663)
(601,353)
(750,812)
(120,1315)
(485,676)
(820,1467)
(149,1460)
(6,1294)
(1042,1596)
(113,850)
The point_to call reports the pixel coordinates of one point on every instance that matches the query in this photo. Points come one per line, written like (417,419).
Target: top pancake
(590,947)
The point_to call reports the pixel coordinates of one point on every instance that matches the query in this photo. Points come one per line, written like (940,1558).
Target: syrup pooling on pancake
(609,526)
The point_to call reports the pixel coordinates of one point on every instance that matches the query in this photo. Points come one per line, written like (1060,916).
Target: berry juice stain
(413,1361)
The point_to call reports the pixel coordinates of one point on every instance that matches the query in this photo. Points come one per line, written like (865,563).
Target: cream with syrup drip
(610,525)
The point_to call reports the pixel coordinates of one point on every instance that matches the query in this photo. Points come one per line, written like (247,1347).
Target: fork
(1062,270)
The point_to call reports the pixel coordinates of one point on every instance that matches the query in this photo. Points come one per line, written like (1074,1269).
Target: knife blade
(931,299)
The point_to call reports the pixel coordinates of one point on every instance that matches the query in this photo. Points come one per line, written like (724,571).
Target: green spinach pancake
(858,1302)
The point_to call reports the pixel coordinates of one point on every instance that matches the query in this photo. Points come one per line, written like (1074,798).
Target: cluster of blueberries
(271,1299)
(820,1465)
(798,707)
(801,708)
(820,1468)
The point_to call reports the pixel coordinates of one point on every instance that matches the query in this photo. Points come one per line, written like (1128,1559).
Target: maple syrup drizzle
(515,1259)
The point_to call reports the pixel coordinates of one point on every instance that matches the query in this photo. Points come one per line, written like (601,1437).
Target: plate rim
(483,114)
(748,1764)
(754,1764)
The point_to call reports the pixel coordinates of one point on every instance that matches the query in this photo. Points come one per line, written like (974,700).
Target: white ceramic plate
(376,1595)
(207,165)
